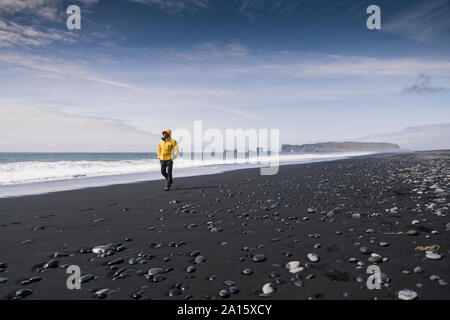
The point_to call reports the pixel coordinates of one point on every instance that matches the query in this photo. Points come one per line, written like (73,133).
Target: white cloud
(423,21)
(31,129)
(210,50)
(176,6)
(13,34)
(51,10)
(255,8)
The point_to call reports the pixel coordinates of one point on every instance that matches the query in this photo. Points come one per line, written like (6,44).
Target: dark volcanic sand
(263,213)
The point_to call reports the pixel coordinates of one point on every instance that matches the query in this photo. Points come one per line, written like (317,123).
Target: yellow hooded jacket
(167,149)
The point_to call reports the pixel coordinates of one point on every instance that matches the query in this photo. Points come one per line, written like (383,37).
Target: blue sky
(310,68)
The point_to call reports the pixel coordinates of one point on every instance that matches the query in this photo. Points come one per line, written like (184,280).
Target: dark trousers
(166,170)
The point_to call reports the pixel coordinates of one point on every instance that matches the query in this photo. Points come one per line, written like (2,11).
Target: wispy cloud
(51,10)
(176,6)
(423,21)
(423,85)
(14,34)
(210,50)
(257,8)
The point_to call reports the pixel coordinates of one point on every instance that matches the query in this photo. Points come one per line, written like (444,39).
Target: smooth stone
(86,278)
(100,249)
(190,269)
(184,287)
(364,250)
(200,259)
(407,294)
(224,293)
(3,280)
(233,290)
(412,233)
(418,270)
(442,282)
(229,282)
(22,293)
(259,258)
(194,253)
(292,264)
(375,259)
(433,256)
(174,292)
(30,280)
(384,244)
(313,257)
(155,271)
(101,294)
(51,264)
(296,270)
(116,261)
(247,271)
(268,288)
(299,283)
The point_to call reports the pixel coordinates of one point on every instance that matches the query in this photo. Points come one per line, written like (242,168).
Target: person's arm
(159,151)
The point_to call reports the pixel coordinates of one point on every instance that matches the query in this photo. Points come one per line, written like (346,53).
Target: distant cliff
(327,147)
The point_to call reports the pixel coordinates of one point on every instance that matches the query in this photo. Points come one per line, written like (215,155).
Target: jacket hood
(169,132)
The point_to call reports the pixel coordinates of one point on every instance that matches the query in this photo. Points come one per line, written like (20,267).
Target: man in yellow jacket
(167,152)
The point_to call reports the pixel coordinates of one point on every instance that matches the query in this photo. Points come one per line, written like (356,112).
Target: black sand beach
(343,211)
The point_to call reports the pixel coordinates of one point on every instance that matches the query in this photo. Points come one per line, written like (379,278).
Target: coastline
(251,214)
(81,182)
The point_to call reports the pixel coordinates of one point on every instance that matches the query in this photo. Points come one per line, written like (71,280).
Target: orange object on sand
(433,247)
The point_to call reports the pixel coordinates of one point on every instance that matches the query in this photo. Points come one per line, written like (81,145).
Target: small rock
(174,292)
(86,278)
(313,257)
(292,264)
(247,271)
(268,288)
(21,293)
(259,258)
(224,293)
(433,256)
(200,259)
(407,294)
(190,269)
(155,271)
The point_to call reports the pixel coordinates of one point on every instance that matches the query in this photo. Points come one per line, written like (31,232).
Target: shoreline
(334,209)
(45,187)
